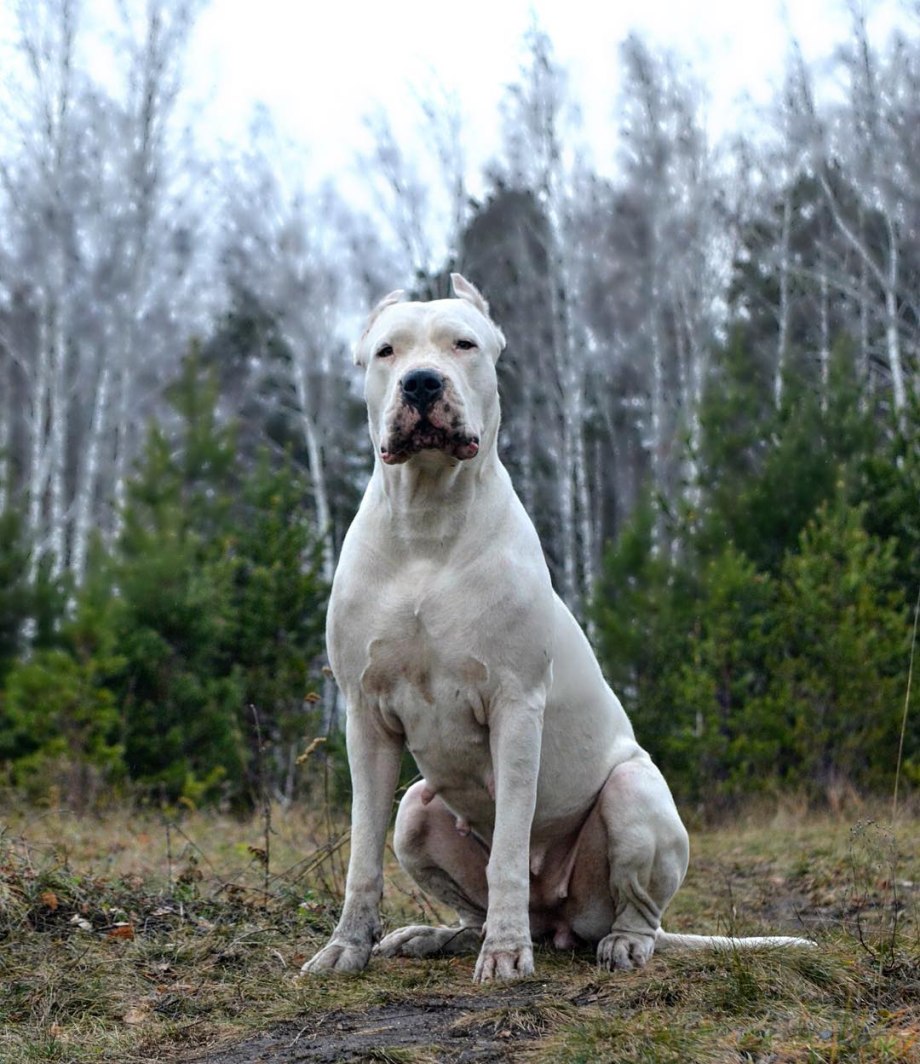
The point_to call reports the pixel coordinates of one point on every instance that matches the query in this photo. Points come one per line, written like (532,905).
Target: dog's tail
(664,940)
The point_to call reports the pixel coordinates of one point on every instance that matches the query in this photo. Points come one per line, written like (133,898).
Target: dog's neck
(430,498)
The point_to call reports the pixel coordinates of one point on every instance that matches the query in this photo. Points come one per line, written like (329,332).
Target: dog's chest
(412,671)
(429,682)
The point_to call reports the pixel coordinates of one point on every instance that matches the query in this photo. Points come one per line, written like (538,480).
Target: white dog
(539,815)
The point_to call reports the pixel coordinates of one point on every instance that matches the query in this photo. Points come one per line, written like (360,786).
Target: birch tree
(276,250)
(99,246)
(417,178)
(157,226)
(40,185)
(869,182)
(670,190)
(536,112)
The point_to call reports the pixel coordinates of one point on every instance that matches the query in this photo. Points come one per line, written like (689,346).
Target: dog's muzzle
(428,417)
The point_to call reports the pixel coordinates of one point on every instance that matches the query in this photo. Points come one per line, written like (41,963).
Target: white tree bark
(537,162)
(782,332)
(824,342)
(38,439)
(58,426)
(886,275)
(84,185)
(317,469)
(656,442)
(89,473)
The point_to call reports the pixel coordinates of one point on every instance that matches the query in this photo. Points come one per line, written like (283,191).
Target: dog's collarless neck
(429,502)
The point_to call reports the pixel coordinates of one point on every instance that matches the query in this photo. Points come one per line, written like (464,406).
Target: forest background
(711,409)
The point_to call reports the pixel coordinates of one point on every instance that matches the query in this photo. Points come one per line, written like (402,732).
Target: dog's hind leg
(446,864)
(632,858)
(648,851)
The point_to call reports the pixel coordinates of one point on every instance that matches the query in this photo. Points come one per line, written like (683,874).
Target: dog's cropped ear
(387,301)
(464,290)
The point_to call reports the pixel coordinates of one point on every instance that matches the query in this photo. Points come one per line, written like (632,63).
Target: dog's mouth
(425,436)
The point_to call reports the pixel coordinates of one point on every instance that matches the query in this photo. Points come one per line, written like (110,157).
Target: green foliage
(206,616)
(838,655)
(889,485)
(764,645)
(179,699)
(61,727)
(60,723)
(639,614)
(278,616)
(720,674)
(16,596)
(772,649)
(766,470)
(219,607)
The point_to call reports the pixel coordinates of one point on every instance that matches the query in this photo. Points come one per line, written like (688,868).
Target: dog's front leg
(373,757)
(515,730)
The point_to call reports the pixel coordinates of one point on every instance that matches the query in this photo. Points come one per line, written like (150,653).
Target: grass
(133,938)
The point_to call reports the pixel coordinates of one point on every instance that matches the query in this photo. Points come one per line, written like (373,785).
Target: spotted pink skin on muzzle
(463,451)
(440,429)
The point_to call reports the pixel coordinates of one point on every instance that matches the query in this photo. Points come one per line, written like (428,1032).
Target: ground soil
(445,1025)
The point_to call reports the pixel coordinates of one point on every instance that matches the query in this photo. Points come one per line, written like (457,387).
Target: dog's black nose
(421,387)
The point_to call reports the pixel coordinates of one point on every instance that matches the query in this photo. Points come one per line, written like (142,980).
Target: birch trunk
(892,332)
(89,473)
(824,350)
(569,386)
(782,335)
(586,536)
(887,279)
(121,445)
(565,489)
(657,419)
(697,364)
(316,462)
(37,429)
(58,424)
(865,360)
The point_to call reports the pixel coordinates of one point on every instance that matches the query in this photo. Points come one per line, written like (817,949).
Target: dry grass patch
(142,938)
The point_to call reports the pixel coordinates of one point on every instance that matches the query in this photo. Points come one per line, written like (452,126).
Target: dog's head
(430,375)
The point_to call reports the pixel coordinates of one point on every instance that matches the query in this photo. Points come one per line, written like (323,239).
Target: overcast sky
(319,67)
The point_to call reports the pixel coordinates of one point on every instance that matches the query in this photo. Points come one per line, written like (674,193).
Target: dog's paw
(625,950)
(501,961)
(338,957)
(420,940)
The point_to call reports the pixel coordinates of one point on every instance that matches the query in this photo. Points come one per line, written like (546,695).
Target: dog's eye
(465,345)
(385,351)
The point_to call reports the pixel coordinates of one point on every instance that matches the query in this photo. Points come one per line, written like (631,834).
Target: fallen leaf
(121,931)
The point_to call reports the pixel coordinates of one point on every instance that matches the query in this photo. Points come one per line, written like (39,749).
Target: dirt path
(459,1028)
